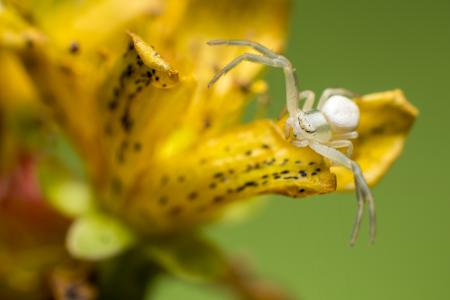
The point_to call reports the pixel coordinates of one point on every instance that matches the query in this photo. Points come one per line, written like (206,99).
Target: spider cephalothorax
(329,126)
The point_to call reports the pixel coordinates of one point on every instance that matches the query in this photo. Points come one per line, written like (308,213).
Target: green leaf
(189,257)
(97,237)
(71,198)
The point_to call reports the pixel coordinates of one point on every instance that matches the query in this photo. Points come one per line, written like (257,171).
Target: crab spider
(329,126)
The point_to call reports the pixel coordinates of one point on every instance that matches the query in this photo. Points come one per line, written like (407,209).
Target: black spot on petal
(251,183)
(128,71)
(137,147)
(74,48)
(284,162)
(218,199)
(126,122)
(112,105)
(192,196)
(163,200)
(175,211)
(218,175)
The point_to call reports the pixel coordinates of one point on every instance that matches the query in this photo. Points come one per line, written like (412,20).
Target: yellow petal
(16,33)
(142,102)
(386,119)
(191,189)
(90,24)
(68,87)
(181,33)
(16,87)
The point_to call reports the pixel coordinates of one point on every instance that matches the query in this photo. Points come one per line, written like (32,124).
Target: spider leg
(300,143)
(309,99)
(244,57)
(287,127)
(342,144)
(359,215)
(366,193)
(346,136)
(363,193)
(257,46)
(307,106)
(271,59)
(327,93)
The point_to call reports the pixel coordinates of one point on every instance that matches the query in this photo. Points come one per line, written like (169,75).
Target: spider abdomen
(342,114)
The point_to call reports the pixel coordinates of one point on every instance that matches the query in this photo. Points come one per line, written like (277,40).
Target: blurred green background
(365,46)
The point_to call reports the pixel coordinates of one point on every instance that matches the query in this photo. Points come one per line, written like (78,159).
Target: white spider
(329,126)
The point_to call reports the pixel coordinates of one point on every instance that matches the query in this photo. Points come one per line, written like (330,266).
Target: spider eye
(306,124)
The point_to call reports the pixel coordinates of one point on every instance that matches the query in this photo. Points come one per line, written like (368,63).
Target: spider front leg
(307,106)
(363,193)
(309,97)
(342,144)
(269,58)
(244,57)
(257,46)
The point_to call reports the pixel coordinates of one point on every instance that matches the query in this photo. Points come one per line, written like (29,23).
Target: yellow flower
(165,153)
(126,82)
